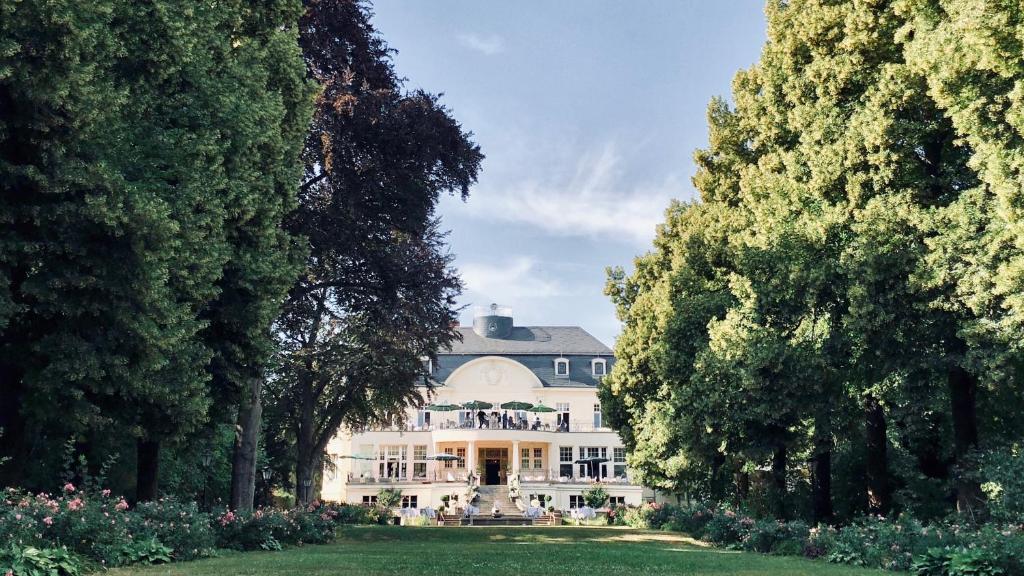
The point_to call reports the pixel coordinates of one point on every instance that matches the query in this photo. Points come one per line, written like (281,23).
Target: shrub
(389,497)
(32,561)
(179,525)
(957,562)
(595,496)
(648,515)
(145,551)
(726,528)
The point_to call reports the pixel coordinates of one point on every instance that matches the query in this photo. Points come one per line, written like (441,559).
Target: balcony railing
(460,476)
(571,426)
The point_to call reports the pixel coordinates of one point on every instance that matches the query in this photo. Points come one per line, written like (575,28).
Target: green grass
(499,552)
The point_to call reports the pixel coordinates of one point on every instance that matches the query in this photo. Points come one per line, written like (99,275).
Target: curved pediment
(492,379)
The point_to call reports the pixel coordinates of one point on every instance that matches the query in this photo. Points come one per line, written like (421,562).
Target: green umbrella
(443,457)
(477,405)
(540,408)
(443,407)
(517,405)
(358,456)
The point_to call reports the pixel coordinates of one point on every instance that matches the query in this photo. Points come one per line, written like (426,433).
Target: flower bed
(901,544)
(75,531)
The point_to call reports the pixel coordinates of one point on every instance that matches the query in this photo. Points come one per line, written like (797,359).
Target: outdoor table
(534,512)
(584,513)
(472,510)
(409,512)
(429,513)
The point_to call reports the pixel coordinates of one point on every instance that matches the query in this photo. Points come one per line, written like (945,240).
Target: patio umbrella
(514,405)
(443,407)
(358,456)
(477,405)
(540,408)
(591,461)
(443,457)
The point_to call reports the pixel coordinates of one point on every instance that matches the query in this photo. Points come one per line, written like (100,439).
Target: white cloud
(488,45)
(511,281)
(588,196)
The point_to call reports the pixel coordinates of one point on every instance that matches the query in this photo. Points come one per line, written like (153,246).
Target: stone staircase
(491,495)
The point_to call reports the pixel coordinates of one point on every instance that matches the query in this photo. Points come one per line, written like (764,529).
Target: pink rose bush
(900,543)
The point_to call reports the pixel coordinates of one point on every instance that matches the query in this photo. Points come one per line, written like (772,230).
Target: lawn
(499,552)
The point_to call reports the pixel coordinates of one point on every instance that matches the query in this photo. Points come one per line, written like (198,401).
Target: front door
(492,467)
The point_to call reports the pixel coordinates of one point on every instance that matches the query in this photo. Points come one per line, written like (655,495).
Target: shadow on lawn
(516,535)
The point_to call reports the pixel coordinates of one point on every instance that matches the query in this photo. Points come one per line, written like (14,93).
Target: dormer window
(562,367)
(598,367)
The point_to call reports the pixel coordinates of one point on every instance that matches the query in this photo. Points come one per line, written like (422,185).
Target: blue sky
(588,113)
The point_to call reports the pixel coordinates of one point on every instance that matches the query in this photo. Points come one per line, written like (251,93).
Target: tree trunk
(247,438)
(742,478)
(147,470)
(962,393)
(821,468)
(307,456)
(877,442)
(779,462)
(13,448)
(717,486)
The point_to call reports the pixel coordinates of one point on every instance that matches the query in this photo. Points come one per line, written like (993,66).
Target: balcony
(584,426)
(460,476)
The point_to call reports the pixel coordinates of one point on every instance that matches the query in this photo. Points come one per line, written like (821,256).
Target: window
(370,500)
(619,462)
(614,501)
(524,463)
(410,502)
(598,367)
(449,463)
(419,464)
(597,415)
(423,419)
(565,461)
(576,501)
(562,367)
(461,453)
(538,458)
(392,462)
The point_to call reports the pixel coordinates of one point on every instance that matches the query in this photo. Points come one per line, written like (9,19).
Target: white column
(553,462)
(409,458)
(515,457)
(471,457)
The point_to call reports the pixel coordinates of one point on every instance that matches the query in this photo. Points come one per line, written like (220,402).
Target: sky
(588,113)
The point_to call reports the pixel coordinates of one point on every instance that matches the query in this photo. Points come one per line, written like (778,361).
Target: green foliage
(143,551)
(180,525)
(388,498)
(1003,472)
(595,496)
(956,562)
(32,561)
(376,159)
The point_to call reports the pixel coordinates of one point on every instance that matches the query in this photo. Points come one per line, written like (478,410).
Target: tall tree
(122,194)
(377,294)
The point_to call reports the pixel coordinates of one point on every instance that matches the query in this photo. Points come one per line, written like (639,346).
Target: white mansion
(548,439)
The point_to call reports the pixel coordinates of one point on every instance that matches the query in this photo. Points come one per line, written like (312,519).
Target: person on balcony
(536,424)
(504,420)
(481,417)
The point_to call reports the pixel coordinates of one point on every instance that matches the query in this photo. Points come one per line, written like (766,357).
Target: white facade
(540,457)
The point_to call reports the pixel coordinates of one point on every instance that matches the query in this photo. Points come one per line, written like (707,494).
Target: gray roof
(543,366)
(557,340)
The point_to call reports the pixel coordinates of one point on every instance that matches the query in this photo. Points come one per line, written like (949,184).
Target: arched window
(562,367)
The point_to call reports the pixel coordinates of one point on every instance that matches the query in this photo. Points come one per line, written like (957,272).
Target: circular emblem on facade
(493,374)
